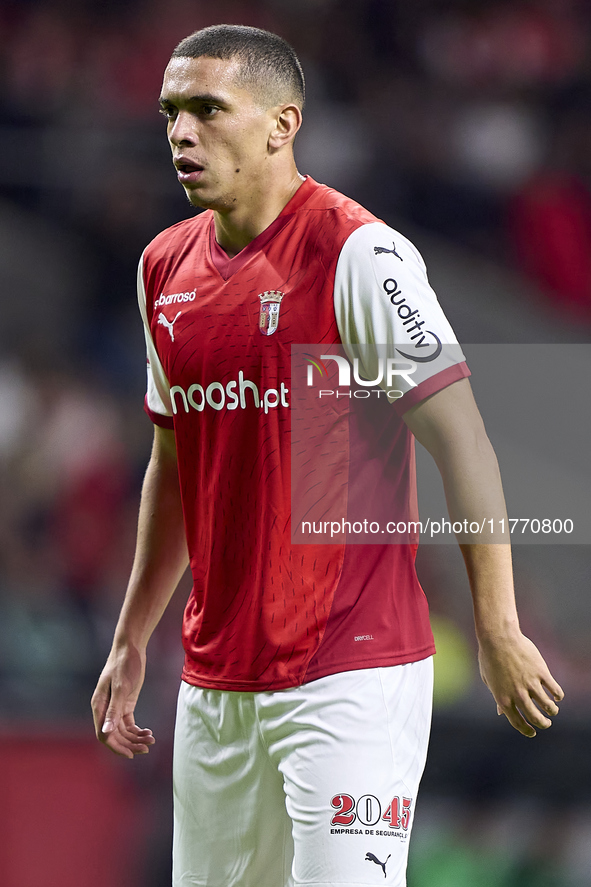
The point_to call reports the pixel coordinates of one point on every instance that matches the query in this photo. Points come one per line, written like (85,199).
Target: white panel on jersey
(383,298)
(158,391)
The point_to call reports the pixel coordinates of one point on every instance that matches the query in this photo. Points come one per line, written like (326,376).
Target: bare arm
(160,560)
(450,427)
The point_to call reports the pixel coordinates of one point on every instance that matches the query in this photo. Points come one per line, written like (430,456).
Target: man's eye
(208,110)
(169,113)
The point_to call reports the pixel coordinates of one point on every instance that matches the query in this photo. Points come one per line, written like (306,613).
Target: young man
(305,703)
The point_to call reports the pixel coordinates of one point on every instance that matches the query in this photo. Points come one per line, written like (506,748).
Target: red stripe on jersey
(158,418)
(431,386)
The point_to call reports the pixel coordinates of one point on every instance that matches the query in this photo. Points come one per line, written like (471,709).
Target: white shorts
(315,785)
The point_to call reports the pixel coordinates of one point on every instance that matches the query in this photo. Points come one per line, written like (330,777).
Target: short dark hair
(269,65)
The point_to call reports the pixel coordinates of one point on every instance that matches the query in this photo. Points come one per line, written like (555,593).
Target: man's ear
(288,120)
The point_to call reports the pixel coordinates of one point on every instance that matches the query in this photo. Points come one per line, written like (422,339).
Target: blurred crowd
(467,122)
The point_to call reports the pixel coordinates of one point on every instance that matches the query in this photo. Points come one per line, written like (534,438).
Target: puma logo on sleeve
(382,249)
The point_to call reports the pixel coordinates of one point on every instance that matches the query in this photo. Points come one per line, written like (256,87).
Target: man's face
(217,132)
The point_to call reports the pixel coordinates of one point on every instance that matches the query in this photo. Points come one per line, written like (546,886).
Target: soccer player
(304,707)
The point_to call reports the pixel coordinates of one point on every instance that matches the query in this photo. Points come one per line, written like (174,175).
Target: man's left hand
(520,681)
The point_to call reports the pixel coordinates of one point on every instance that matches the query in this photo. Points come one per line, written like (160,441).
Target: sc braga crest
(269,314)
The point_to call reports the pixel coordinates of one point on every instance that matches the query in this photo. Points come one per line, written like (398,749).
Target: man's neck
(236,228)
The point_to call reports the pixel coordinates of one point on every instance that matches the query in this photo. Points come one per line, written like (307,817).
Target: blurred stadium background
(467,125)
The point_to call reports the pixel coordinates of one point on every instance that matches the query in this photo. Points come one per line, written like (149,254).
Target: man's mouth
(187,170)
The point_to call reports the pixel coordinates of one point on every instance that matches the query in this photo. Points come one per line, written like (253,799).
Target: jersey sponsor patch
(231,396)
(175,298)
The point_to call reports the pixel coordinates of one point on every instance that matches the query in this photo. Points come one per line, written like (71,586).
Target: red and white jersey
(264,612)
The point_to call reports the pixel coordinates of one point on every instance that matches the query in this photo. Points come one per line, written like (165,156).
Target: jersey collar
(225,266)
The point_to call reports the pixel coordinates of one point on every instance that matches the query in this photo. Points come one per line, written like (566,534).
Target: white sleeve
(157,394)
(383,300)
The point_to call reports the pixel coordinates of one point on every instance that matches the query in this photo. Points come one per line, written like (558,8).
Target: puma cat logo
(369,857)
(382,249)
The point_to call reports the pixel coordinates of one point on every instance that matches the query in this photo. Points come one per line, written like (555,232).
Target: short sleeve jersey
(265,613)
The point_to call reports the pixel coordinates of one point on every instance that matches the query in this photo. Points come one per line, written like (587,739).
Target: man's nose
(182,130)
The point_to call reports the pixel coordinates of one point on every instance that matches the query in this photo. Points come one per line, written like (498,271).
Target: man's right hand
(113,704)
(160,560)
